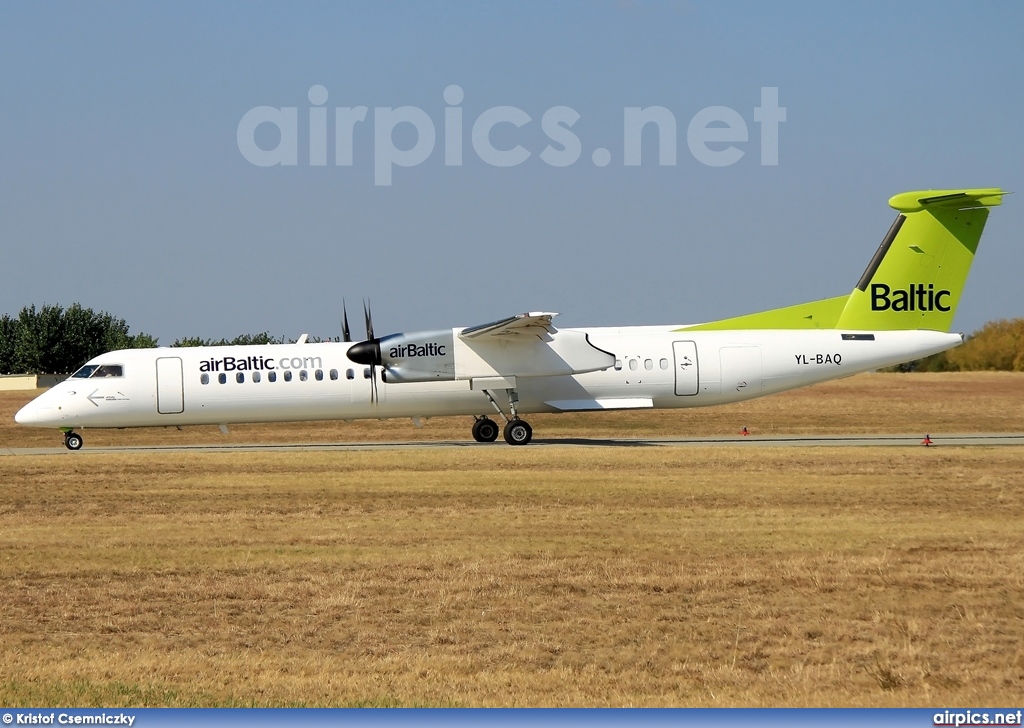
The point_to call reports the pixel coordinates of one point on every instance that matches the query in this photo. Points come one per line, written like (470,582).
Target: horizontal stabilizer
(947,199)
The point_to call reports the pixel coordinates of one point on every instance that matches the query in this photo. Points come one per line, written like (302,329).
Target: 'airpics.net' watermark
(712,134)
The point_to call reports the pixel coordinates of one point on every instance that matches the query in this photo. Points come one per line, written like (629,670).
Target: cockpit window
(109,370)
(99,370)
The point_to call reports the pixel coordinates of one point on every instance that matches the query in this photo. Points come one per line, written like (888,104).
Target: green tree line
(58,340)
(996,346)
(241,340)
(55,340)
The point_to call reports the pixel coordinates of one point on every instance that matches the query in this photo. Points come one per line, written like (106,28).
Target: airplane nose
(33,414)
(24,415)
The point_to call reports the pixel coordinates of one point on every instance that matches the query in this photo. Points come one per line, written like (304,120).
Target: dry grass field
(529,576)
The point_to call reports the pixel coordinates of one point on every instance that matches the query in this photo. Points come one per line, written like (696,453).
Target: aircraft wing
(536,323)
(526,345)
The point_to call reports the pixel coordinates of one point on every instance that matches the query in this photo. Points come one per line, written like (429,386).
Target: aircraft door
(686,367)
(170,389)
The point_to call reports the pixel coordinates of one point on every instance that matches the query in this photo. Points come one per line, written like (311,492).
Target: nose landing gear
(72,440)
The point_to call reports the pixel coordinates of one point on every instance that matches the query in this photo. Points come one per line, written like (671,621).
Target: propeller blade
(346,335)
(369,319)
(368,351)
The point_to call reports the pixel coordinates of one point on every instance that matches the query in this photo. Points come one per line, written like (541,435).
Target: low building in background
(10,382)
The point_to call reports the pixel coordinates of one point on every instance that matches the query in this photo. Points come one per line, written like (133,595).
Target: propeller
(367,352)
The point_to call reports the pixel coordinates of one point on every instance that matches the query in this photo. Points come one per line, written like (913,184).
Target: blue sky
(123,187)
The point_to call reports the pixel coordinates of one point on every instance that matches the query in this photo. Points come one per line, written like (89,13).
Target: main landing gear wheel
(485,430)
(518,432)
(72,441)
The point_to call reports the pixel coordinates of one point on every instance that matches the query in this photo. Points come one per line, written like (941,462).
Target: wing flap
(537,323)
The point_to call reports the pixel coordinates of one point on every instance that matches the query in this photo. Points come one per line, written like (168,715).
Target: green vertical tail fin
(916,277)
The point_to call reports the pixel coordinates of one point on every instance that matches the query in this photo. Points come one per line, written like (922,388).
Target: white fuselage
(656,367)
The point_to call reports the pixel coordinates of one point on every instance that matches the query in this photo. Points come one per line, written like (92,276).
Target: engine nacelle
(421,356)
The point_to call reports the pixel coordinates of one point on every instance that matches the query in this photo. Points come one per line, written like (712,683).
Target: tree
(997,345)
(52,340)
(39,343)
(8,332)
(240,340)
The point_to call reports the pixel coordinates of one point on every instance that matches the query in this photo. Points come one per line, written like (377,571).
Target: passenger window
(240,377)
(366,373)
(334,374)
(633,365)
(287,376)
(271,376)
(618,365)
(319,374)
(204,378)
(303,375)
(256,376)
(222,378)
(350,374)
(664,363)
(648,364)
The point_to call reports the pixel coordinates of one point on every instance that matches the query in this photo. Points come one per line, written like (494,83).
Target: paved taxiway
(968,440)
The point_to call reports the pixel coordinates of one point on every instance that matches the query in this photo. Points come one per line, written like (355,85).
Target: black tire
(518,432)
(73,441)
(485,430)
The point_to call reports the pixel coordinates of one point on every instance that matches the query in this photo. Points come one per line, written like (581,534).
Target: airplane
(901,309)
